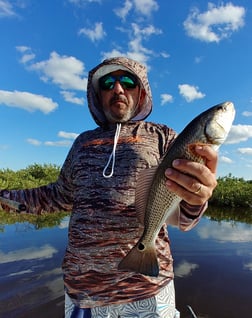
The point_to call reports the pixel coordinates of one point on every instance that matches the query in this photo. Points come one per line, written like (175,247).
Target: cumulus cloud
(185,269)
(94,34)
(123,11)
(44,252)
(27,101)
(33,141)
(27,54)
(64,71)
(58,143)
(225,159)
(145,7)
(142,7)
(65,142)
(190,93)
(226,232)
(67,135)
(136,49)
(166,98)
(245,151)
(247,114)
(239,133)
(71,98)
(215,24)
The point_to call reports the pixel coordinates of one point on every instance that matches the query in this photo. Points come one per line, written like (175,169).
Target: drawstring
(112,155)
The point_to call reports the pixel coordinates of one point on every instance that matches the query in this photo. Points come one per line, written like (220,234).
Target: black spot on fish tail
(141,260)
(141,246)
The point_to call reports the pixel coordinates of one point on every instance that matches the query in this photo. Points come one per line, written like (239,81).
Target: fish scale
(154,202)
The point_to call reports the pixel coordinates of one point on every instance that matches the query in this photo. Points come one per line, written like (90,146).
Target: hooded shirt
(111,65)
(103,224)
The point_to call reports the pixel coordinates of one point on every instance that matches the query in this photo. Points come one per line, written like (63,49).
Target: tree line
(230,192)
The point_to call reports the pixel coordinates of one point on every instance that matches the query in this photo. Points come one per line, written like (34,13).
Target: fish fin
(142,261)
(142,191)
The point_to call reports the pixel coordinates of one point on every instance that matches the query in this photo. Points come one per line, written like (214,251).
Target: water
(213,268)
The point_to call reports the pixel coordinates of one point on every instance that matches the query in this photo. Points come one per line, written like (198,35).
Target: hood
(111,65)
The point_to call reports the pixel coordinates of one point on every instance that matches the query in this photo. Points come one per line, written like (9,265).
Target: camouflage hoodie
(103,224)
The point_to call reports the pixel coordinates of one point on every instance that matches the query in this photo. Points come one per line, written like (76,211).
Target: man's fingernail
(176,162)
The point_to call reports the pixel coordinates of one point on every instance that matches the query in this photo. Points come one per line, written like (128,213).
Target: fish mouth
(218,128)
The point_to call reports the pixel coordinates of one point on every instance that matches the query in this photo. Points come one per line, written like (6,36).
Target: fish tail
(142,260)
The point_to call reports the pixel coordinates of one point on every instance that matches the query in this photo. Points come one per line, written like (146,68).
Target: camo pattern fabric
(104,225)
(160,306)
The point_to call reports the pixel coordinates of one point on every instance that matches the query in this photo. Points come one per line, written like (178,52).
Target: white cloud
(6,9)
(122,12)
(225,159)
(190,93)
(166,98)
(94,34)
(59,143)
(245,151)
(247,114)
(248,266)
(65,142)
(65,71)
(145,7)
(67,135)
(145,32)
(239,133)
(226,232)
(142,7)
(33,141)
(184,269)
(83,2)
(27,101)
(136,49)
(215,24)
(71,98)
(44,252)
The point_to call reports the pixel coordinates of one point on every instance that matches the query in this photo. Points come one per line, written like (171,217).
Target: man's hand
(194,182)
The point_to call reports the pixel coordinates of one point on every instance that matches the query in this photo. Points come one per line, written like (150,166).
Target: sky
(197,53)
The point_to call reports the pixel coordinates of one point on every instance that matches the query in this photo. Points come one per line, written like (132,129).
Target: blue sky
(198,54)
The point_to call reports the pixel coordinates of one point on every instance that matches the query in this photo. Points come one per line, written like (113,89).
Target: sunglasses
(107,82)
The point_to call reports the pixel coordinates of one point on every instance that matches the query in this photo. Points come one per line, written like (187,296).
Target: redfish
(154,202)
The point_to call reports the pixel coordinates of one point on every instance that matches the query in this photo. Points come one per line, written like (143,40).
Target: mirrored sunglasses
(107,82)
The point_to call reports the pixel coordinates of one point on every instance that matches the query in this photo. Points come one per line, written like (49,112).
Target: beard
(120,111)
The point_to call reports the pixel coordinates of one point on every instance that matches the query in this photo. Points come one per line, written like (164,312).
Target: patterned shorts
(160,306)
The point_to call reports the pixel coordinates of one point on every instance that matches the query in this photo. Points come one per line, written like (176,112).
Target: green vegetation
(33,176)
(231,200)
(232,192)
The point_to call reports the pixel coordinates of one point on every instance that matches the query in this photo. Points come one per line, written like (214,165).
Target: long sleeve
(53,197)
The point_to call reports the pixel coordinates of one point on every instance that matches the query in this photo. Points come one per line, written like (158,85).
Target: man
(97,183)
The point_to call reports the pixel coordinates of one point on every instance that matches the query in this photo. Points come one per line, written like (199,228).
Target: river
(213,269)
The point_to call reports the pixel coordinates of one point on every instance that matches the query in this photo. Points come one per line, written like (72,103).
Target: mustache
(118,98)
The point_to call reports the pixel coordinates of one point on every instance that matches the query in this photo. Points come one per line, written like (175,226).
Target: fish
(154,202)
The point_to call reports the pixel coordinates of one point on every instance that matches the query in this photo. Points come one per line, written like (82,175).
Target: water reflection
(213,267)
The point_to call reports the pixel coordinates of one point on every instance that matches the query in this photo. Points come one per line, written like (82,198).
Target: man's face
(120,100)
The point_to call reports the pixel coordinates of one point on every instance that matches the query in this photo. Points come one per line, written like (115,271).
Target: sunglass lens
(108,82)
(128,82)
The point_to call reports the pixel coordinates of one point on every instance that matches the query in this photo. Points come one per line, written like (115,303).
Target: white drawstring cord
(112,155)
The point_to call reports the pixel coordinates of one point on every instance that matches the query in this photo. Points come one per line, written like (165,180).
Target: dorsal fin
(142,191)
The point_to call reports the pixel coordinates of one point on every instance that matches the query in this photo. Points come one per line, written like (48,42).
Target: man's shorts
(160,306)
